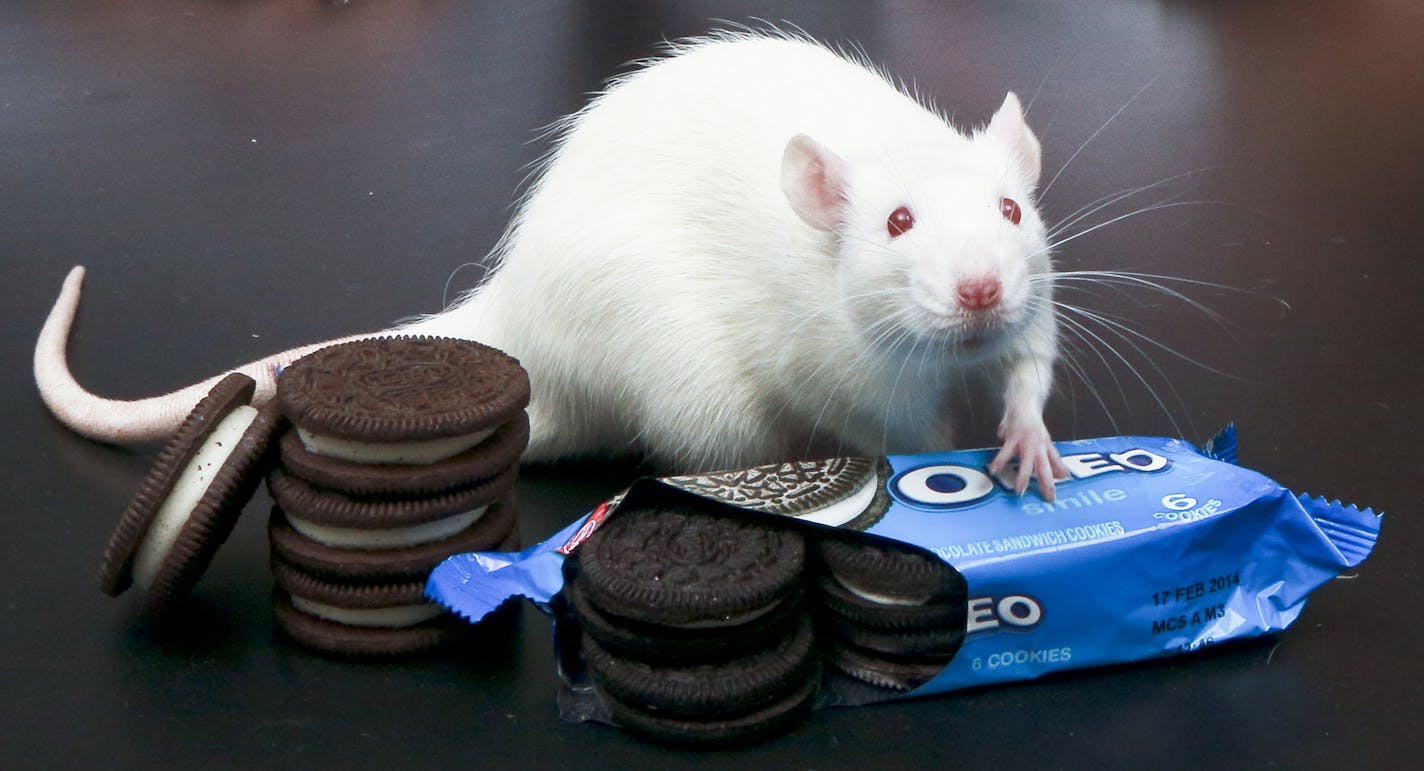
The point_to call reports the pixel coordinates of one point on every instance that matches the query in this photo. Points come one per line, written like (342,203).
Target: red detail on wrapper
(591,524)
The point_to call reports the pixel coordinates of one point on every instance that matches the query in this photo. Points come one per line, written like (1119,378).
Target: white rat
(745,247)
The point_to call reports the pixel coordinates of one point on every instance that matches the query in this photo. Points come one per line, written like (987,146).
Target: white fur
(667,298)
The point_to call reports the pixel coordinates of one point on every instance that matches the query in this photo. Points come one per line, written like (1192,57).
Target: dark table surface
(242,177)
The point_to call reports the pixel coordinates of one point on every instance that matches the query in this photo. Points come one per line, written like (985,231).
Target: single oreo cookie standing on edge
(401,399)
(192,496)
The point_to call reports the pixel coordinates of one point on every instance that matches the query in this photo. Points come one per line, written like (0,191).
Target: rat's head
(939,237)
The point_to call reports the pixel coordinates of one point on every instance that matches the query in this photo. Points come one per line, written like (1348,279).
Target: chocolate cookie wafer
(341,639)
(719,731)
(722,688)
(351,520)
(409,400)
(844,492)
(677,645)
(366,619)
(495,530)
(485,460)
(680,567)
(890,571)
(940,642)
(192,496)
(892,673)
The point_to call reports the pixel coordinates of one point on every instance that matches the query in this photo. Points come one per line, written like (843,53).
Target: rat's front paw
(1029,442)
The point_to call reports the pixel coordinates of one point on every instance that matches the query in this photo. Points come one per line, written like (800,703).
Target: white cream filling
(393,537)
(883,599)
(408,453)
(394,616)
(845,510)
(192,484)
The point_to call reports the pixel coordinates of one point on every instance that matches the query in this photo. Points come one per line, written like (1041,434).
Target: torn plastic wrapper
(1153,547)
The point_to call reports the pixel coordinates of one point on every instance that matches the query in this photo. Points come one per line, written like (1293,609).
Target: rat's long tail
(140,420)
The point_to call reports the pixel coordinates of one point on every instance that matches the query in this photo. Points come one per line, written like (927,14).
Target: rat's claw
(1029,442)
(1026,472)
(1048,467)
(1001,460)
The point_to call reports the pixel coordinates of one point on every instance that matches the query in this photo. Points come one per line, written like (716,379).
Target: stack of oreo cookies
(401,452)
(892,615)
(694,629)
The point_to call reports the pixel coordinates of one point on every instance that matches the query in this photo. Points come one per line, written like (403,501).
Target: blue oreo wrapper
(1153,547)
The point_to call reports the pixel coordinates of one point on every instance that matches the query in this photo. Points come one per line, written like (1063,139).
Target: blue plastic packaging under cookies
(1153,547)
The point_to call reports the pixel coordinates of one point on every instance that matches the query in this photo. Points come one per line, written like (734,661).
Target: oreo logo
(942,486)
(950,486)
(1018,612)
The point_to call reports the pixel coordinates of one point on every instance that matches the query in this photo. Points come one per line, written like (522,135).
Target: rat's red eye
(1010,209)
(900,221)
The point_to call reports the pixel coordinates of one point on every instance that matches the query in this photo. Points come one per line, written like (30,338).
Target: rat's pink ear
(1008,128)
(814,180)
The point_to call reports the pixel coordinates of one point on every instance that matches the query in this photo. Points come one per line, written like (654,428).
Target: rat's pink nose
(979,294)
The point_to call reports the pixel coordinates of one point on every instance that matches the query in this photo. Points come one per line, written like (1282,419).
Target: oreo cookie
(350,590)
(403,400)
(688,569)
(849,493)
(890,571)
(372,618)
(485,460)
(940,642)
(900,674)
(875,611)
(191,498)
(718,731)
(675,646)
(306,503)
(349,641)
(495,530)
(724,688)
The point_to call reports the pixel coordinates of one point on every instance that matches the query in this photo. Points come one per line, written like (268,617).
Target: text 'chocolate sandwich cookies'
(402,452)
